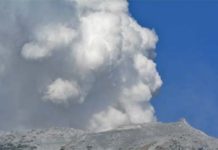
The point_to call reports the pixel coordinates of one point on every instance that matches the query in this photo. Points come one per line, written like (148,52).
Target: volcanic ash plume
(75,62)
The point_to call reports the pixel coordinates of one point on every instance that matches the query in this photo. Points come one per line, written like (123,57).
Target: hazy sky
(187,58)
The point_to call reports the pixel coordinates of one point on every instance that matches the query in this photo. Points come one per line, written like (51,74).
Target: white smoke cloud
(105,5)
(129,112)
(61,90)
(87,51)
(2,60)
(2,68)
(48,39)
(108,119)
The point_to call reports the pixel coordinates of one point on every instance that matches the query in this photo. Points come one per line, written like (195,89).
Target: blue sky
(187,59)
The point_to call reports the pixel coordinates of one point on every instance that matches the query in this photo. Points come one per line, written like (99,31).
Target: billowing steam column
(75,52)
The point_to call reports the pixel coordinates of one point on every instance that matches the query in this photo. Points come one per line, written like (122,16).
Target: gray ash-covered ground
(149,136)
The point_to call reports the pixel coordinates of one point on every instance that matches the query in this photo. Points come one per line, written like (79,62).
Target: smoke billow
(78,63)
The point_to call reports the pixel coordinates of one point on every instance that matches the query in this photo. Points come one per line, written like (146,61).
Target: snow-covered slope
(149,136)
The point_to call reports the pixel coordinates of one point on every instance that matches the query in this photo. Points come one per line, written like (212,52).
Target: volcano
(148,136)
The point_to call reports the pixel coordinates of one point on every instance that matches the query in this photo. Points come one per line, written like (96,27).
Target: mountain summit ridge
(147,136)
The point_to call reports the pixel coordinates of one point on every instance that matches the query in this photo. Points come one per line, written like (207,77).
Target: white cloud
(108,119)
(60,91)
(92,50)
(103,5)
(130,110)
(47,39)
(146,69)
(137,38)
(100,40)
(2,69)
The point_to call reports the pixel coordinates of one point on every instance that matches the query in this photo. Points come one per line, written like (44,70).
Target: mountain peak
(146,136)
(183,120)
